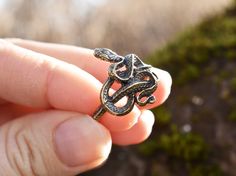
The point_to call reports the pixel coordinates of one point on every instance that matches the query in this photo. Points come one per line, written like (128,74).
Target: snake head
(107,55)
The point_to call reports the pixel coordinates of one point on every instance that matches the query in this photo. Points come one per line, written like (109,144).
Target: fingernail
(81,141)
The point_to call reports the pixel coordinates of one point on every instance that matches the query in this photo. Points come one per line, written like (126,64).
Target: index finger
(36,80)
(84,59)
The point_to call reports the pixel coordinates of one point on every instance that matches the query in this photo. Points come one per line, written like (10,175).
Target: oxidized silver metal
(136,79)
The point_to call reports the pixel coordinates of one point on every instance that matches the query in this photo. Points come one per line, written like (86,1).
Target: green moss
(183,99)
(202,170)
(221,76)
(208,71)
(232,115)
(162,115)
(231,55)
(190,72)
(203,52)
(233,84)
(202,114)
(224,74)
(215,39)
(186,146)
(148,148)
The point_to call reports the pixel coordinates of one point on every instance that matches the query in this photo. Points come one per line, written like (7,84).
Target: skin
(48,93)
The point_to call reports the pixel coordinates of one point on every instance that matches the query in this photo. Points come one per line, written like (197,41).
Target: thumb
(52,143)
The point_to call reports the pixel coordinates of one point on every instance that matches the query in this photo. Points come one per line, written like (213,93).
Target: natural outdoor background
(195,40)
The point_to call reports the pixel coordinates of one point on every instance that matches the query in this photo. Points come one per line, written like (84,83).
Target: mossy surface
(232,115)
(163,116)
(202,62)
(215,39)
(185,146)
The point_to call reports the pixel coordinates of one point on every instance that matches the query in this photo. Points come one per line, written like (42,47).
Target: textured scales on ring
(137,81)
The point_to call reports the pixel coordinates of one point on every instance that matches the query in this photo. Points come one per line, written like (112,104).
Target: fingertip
(167,83)
(138,133)
(163,88)
(115,123)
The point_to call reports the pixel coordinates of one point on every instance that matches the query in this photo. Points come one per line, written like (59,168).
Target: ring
(137,82)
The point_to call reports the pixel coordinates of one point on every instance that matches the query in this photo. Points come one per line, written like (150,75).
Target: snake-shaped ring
(136,82)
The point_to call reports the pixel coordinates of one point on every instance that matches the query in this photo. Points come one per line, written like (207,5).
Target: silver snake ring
(137,83)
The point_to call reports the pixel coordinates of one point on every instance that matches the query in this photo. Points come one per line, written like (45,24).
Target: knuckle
(23,156)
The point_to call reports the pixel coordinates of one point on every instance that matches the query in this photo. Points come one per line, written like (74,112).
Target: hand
(47,93)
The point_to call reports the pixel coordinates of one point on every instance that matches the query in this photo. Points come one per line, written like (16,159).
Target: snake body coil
(137,83)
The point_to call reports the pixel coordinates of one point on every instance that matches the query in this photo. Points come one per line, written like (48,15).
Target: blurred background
(195,41)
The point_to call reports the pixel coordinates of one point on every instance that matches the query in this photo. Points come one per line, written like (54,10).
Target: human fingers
(138,133)
(84,59)
(2,101)
(163,88)
(36,80)
(81,57)
(32,79)
(52,143)
(10,111)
